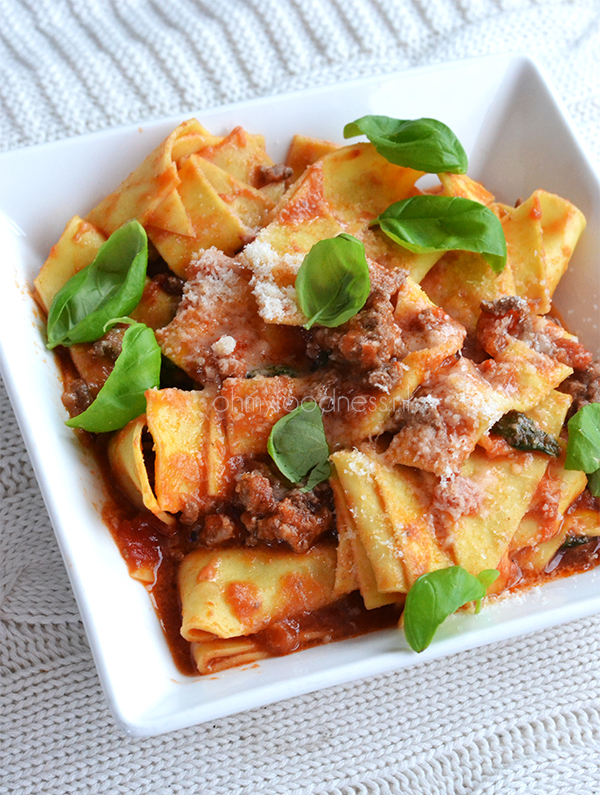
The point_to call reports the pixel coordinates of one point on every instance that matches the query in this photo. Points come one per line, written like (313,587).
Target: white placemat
(516,717)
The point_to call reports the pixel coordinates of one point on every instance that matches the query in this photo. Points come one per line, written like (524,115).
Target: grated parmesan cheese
(272,275)
(224,346)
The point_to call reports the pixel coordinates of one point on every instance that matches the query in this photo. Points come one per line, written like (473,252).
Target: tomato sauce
(153,550)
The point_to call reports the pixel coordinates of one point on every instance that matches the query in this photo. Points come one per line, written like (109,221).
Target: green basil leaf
(583,448)
(423,144)
(486,578)
(333,282)
(435,596)
(594,483)
(110,286)
(522,433)
(445,223)
(298,446)
(122,399)
(318,474)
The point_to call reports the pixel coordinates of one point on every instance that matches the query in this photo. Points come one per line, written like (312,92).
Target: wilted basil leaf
(435,596)
(576,541)
(423,144)
(445,223)
(333,282)
(298,446)
(522,433)
(109,287)
(121,399)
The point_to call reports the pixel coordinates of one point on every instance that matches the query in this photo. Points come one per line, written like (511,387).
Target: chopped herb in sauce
(522,433)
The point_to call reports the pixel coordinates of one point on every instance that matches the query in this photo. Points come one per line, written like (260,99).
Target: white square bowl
(518,138)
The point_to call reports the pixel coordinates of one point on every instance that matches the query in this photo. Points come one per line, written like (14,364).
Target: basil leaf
(110,286)
(298,446)
(333,282)
(318,474)
(486,578)
(423,144)
(594,483)
(583,448)
(121,399)
(522,433)
(576,541)
(435,596)
(445,223)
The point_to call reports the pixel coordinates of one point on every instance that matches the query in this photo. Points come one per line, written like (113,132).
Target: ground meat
(77,397)
(457,496)
(372,338)
(510,317)
(387,281)
(323,389)
(472,349)
(255,493)
(563,348)
(297,518)
(109,346)
(583,386)
(425,437)
(503,318)
(428,329)
(169,283)
(418,410)
(218,530)
(384,378)
(438,427)
(266,175)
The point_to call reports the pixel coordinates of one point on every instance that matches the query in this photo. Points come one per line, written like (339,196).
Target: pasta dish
(326,399)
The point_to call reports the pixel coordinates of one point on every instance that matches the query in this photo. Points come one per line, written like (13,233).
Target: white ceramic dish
(518,137)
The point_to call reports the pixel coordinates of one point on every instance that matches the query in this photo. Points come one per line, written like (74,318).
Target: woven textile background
(518,717)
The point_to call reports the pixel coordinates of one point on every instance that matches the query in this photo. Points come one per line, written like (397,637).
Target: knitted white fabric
(517,717)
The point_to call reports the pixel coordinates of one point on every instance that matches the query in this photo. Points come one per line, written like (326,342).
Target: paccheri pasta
(317,388)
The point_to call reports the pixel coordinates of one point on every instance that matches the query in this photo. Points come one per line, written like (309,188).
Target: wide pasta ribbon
(190,194)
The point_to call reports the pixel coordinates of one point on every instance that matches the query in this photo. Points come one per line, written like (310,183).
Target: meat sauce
(153,551)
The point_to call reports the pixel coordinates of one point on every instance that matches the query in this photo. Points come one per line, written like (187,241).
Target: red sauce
(148,544)
(346,618)
(311,204)
(244,600)
(536,210)
(153,551)
(545,507)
